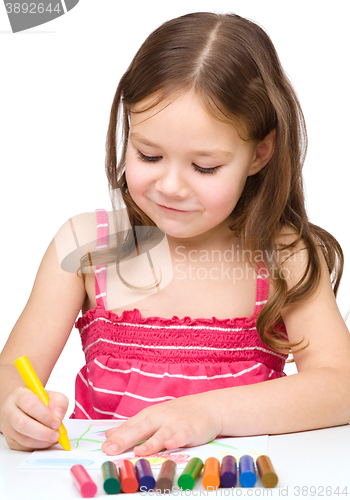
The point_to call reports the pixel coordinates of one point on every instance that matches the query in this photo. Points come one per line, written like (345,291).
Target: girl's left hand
(185,421)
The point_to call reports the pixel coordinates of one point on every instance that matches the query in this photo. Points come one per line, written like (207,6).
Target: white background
(56,89)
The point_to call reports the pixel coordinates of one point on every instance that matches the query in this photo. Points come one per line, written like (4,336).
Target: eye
(201,170)
(211,170)
(147,159)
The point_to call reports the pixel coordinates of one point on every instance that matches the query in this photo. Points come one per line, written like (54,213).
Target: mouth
(174,210)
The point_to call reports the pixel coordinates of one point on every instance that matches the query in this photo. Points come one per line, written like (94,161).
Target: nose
(172,182)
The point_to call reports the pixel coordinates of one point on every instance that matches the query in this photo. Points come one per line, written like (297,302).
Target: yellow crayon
(33,383)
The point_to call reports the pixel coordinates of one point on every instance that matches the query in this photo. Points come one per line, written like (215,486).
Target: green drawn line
(79,439)
(90,440)
(223,444)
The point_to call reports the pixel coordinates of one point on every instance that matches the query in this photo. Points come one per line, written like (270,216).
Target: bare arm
(318,396)
(40,333)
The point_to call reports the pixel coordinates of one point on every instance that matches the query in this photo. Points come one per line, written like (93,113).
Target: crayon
(211,474)
(128,479)
(83,481)
(33,383)
(188,477)
(266,471)
(228,472)
(144,475)
(247,476)
(166,477)
(111,483)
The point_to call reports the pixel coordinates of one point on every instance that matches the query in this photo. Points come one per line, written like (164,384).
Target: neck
(216,238)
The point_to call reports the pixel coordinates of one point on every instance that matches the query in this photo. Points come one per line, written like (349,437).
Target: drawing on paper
(86,442)
(86,439)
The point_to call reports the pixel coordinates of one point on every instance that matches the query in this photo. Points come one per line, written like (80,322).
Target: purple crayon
(228,472)
(144,475)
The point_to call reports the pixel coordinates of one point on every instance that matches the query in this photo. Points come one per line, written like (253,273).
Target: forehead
(185,101)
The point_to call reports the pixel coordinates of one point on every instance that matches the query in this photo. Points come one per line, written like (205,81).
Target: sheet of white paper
(86,438)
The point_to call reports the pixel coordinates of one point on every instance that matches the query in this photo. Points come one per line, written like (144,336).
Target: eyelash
(152,159)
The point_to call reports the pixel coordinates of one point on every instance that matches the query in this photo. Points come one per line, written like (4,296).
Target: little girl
(196,292)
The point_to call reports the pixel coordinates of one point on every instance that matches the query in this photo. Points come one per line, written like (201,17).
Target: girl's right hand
(27,423)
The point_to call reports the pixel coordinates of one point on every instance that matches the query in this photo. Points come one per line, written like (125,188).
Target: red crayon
(83,481)
(128,479)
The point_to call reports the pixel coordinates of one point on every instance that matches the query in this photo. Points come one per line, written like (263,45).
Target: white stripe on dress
(186,348)
(110,413)
(179,375)
(82,409)
(83,379)
(130,394)
(99,270)
(171,327)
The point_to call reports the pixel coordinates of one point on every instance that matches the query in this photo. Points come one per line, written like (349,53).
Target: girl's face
(185,169)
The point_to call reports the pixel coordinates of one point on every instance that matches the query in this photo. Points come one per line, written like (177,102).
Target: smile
(172,210)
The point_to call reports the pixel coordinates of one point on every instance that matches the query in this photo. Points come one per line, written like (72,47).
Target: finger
(58,403)
(18,441)
(179,439)
(114,433)
(31,405)
(121,428)
(26,426)
(155,443)
(120,440)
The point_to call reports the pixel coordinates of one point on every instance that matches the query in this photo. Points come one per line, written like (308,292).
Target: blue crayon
(247,475)
(228,472)
(144,475)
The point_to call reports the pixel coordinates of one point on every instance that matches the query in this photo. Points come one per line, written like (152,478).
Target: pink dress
(133,362)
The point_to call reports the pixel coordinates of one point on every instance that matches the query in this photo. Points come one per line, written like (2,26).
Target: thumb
(58,403)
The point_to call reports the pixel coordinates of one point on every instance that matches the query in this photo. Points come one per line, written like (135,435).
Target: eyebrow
(214,152)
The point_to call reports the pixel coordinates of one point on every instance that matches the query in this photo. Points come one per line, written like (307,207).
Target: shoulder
(312,317)
(299,257)
(74,233)
(78,235)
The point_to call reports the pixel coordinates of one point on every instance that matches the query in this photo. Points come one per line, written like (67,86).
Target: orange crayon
(128,479)
(211,474)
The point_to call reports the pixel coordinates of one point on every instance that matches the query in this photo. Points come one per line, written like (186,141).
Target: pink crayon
(83,481)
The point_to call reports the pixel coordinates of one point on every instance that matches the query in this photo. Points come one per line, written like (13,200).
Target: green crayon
(111,483)
(192,470)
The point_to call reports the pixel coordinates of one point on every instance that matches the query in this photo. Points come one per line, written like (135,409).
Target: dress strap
(101,244)
(262,288)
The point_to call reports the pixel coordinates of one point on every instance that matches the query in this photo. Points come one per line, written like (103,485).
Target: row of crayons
(129,478)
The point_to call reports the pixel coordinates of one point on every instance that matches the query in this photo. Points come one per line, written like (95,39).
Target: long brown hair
(233,68)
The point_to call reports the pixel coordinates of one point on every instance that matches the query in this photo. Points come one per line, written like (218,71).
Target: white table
(314,464)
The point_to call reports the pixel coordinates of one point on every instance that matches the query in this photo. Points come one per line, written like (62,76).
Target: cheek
(222,197)
(134,178)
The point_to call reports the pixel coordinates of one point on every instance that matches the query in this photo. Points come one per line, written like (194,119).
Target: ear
(263,153)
